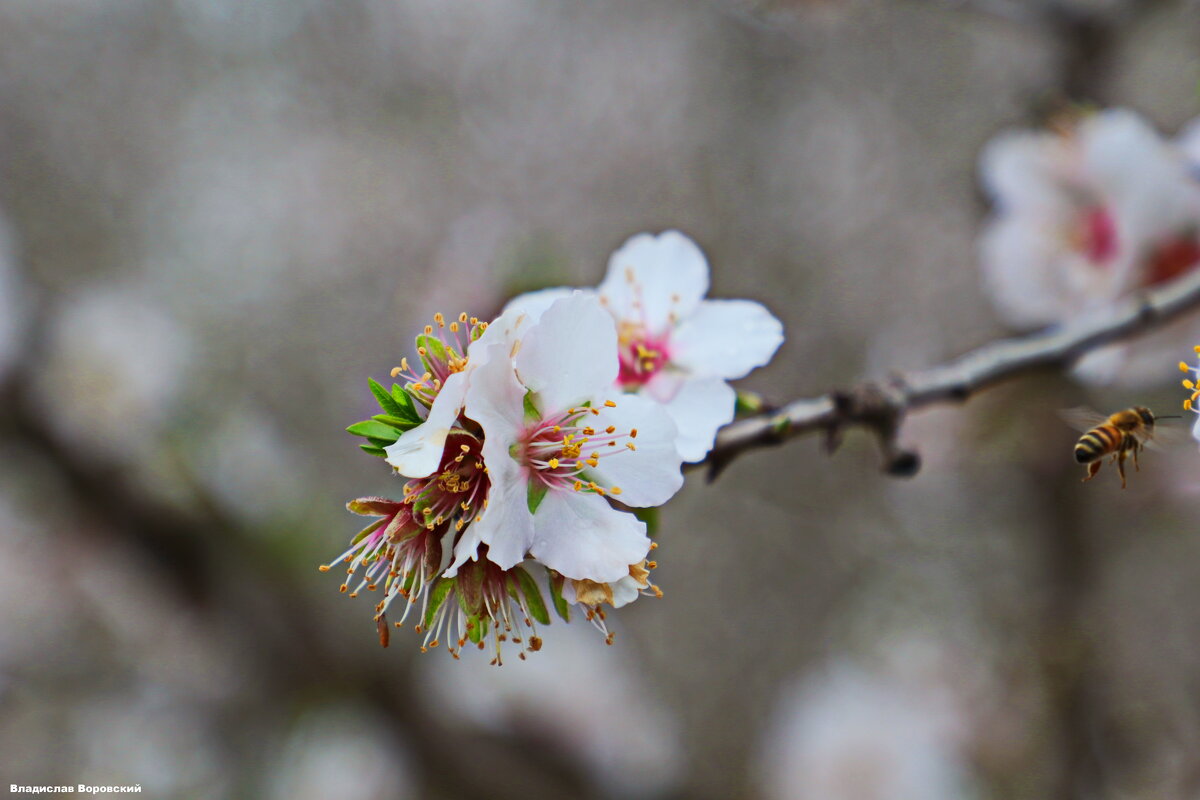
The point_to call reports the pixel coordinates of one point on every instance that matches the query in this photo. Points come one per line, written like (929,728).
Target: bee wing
(1082,418)
(1165,434)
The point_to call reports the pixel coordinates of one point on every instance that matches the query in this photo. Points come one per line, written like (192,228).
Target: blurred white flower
(582,699)
(675,346)
(850,734)
(1189,142)
(343,754)
(114,364)
(147,738)
(1084,214)
(250,464)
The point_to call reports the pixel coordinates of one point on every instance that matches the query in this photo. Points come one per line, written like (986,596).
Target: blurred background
(217,218)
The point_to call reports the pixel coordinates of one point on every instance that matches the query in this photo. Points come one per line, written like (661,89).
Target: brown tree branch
(880,406)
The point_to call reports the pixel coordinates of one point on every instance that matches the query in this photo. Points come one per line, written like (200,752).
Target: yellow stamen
(428,329)
(615,489)
(553,463)
(610,404)
(396,371)
(1184,367)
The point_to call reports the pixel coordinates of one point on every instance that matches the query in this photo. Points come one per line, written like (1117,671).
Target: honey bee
(1120,435)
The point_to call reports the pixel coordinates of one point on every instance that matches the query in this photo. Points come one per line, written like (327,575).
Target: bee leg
(1121,467)
(1136,447)
(1092,469)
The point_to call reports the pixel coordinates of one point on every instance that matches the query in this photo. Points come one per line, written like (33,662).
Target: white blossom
(559,439)
(675,346)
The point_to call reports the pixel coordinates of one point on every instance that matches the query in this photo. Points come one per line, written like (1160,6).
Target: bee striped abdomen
(1099,441)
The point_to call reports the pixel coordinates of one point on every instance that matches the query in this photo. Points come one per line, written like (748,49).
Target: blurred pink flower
(1084,214)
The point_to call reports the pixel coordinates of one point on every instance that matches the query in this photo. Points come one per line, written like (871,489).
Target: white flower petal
(506,526)
(1189,142)
(625,591)
(725,339)
(1025,169)
(699,409)
(1144,179)
(655,280)
(534,304)
(496,401)
(583,537)
(466,549)
(418,451)
(649,475)
(570,354)
(505,331)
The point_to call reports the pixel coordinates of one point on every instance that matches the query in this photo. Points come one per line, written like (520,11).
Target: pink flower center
(1098,235)
(641,356)
(1172,259)
(560,449)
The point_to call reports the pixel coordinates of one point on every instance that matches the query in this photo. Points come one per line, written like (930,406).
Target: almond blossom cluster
(1096,208)
(526,442)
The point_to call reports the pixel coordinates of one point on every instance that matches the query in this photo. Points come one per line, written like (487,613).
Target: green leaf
(535,493)
(437,596)
(372,450)
(374,430)
(531,410)
(385,400)
(405,401)
(533,596)
(560,605)
(399,423)
(650,517)
(435,352)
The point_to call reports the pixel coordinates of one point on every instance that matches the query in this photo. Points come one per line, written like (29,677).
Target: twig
(880,406)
